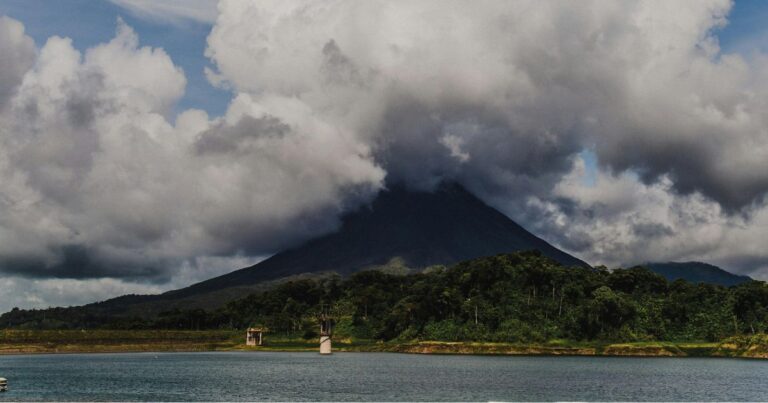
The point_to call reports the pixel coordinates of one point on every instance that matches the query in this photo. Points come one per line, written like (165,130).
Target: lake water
(376,376)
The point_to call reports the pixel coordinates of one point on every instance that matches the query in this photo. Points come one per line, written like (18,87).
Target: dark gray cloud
(234,139)
(652,230)
(423,145)
(84,262)
(340,70)
(699,161)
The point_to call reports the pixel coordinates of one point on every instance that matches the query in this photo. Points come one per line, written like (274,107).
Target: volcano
(417,228)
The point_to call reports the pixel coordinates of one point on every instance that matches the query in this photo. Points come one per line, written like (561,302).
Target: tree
(608,311)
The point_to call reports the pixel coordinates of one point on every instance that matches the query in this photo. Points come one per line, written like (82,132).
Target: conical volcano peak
(419,228)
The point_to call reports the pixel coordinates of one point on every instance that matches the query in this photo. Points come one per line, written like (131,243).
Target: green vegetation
(515,301)
(45,341)
(106,340)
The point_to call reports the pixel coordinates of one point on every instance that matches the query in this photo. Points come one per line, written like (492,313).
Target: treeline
(521,297)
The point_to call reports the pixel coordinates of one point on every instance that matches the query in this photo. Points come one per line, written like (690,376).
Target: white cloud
(18,52)
(99,183)
(174,11)
(618,220)
(454,144)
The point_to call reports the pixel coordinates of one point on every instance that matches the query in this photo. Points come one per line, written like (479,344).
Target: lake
(236,376)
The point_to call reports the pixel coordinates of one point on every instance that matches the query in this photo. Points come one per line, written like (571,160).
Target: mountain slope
(697,272)
(442,227)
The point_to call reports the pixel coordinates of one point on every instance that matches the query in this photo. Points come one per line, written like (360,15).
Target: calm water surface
(372,376)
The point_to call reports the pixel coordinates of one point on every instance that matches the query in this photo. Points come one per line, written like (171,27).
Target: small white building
(254,336)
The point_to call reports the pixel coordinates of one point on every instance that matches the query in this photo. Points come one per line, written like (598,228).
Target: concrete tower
(326,332)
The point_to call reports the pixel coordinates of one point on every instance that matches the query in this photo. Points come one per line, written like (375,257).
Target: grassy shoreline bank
(116,341)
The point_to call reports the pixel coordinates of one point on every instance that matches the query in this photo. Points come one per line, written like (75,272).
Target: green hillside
(512,298)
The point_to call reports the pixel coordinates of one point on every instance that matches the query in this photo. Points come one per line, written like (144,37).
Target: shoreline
(26,342)
(636,350)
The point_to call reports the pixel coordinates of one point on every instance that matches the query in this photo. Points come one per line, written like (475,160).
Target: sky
(147,145)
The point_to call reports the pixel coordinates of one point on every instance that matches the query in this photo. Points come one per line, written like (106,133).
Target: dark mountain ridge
(697,272)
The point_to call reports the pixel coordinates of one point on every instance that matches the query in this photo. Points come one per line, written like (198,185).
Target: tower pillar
(326,332)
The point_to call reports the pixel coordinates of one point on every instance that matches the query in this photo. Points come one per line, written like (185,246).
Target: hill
(697,272)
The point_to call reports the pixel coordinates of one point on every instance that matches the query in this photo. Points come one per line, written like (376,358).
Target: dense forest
(522,297)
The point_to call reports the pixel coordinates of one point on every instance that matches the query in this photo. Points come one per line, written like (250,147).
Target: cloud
(333,100)
(173,11)
(620,220)
(18,52)
(99,182)
(504,96)
(524,85)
